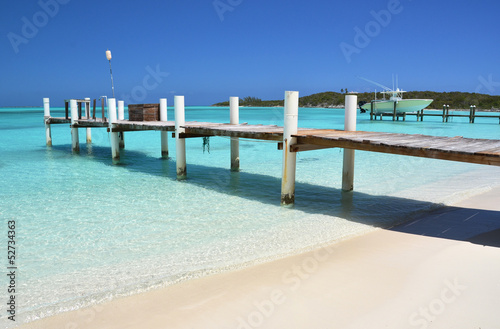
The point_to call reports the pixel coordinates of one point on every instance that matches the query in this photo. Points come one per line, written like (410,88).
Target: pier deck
(480,151)
(289,138)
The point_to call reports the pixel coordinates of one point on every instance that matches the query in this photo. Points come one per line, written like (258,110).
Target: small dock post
(289,158)
(394,113)
(87,114)
(46,116)
(66,107)
(473,113)
(115,145)
(180,143)
(444,113)
(164,134)
(75,145)
(102,109)
(234,119)
(349,125)
(121,116)
(371,111)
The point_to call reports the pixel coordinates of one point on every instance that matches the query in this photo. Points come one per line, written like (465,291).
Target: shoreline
(384,277)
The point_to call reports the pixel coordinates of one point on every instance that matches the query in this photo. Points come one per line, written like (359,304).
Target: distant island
(331,99)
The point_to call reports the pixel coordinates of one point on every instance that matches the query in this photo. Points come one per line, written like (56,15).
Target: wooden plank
(306,147)
(186,135)
(53,120)
(460,155)
(90,124)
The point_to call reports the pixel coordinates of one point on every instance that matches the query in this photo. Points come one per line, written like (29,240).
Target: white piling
(115,145)
(234,119)
(289,158)
(164,134)
(87,114)
(46,115)
(75,145)
(121,116)
(180,143)
(351,102)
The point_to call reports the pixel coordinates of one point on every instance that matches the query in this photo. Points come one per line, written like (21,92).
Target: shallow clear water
(88,231)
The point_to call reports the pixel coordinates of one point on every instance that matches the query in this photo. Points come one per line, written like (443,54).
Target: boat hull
(403,105)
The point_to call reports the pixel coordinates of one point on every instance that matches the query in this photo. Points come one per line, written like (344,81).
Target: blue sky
(209,50)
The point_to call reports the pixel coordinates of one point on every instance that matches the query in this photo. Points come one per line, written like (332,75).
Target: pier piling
(46,115)
(349,125)
(87,114)
(234,119)
(115,144)
(121,116)
(289,158)
(75,145)
(164,134)
(180,143)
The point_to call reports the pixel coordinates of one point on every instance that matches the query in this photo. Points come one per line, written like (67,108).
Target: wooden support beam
(121,117)
(189,135)
(234,118)
(289,159)
(102,106)
(303,147)
(306,147)
(180,143)
(46,114)
(115,143)
(75,145)
(350,125)
(79,110)
(87,115)
(163,134)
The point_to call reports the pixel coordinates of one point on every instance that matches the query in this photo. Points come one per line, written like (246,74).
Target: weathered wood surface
(84,122)
(264,132)
(481,151)
(144,112)
(125,125)
(53,120)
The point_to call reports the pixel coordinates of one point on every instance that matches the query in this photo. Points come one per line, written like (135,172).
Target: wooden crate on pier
(144,112)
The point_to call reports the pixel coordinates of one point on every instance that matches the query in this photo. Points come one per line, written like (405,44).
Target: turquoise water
(89,231)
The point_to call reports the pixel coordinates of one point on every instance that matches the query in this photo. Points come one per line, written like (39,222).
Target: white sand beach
(439,271)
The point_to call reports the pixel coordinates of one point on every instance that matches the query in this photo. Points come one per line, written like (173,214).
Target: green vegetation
(456,100)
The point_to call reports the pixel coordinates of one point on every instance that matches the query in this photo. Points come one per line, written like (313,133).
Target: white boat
(395,101)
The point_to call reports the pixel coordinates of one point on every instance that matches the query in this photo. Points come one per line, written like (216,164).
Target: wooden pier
(472,115)
(289,138)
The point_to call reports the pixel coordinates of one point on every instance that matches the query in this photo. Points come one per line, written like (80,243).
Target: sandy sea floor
(441,270)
